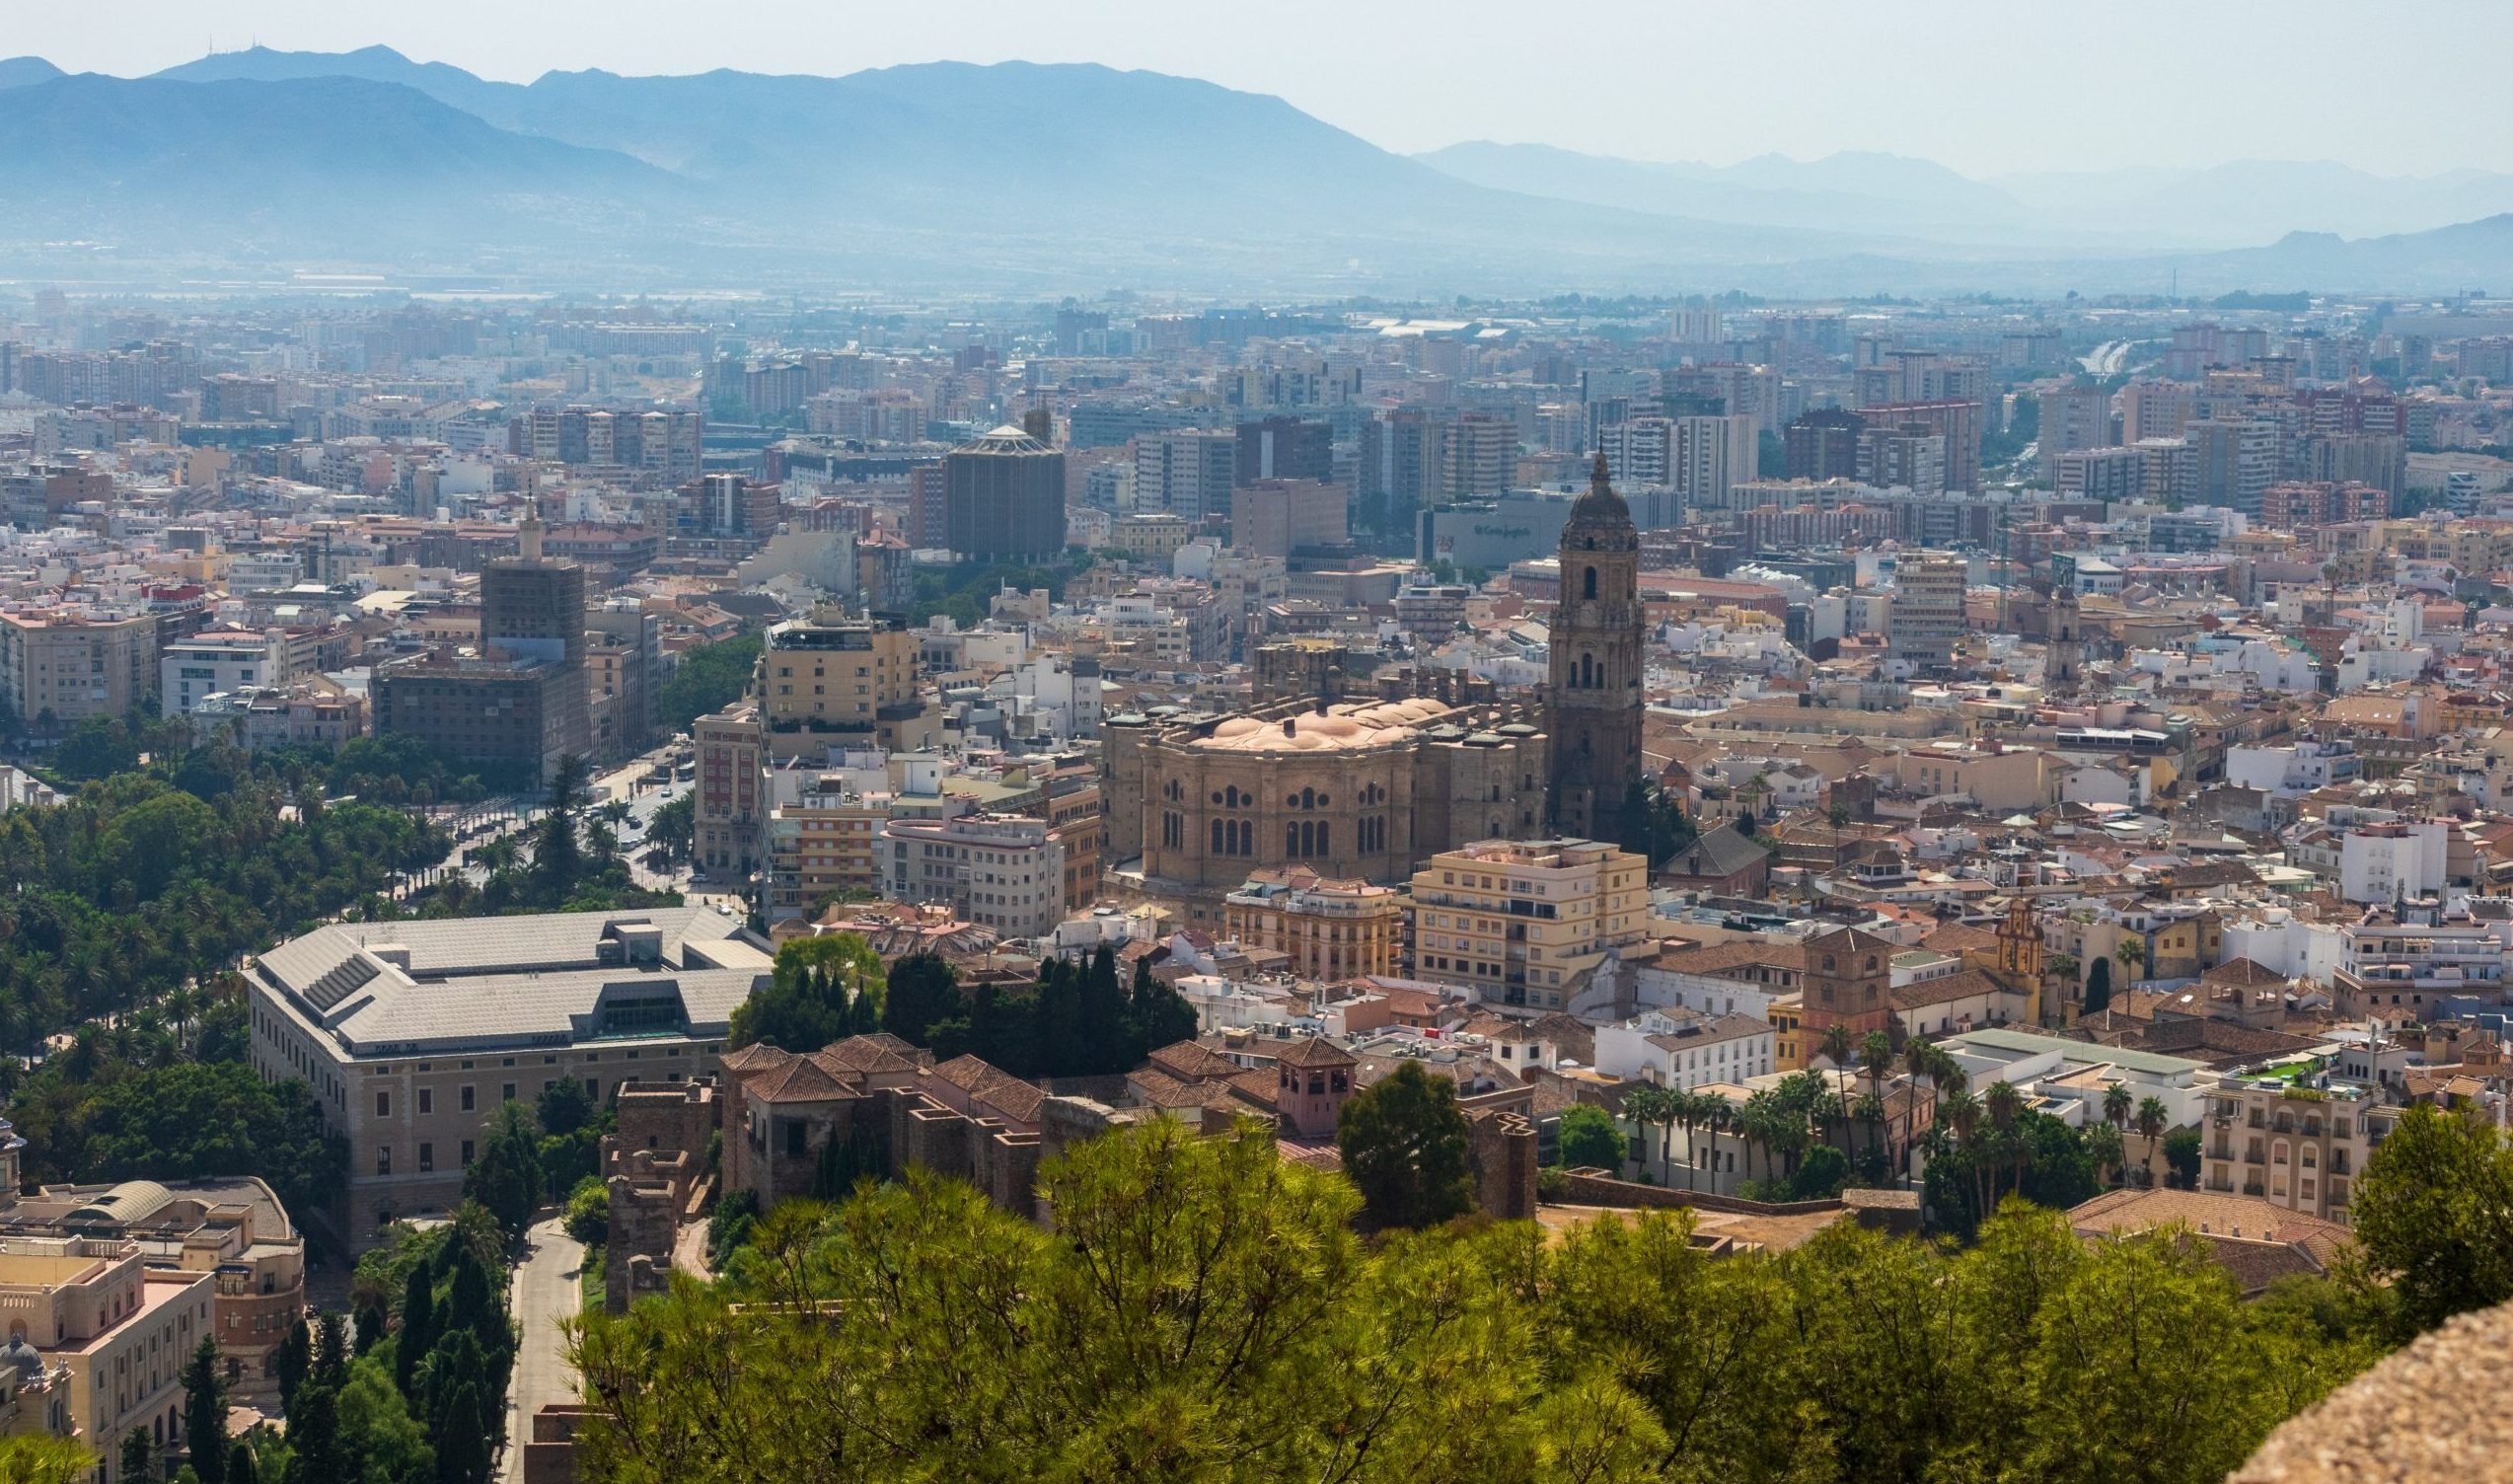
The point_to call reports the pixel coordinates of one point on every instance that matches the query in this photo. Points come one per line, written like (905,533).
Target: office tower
(1004,498)
(1285,448)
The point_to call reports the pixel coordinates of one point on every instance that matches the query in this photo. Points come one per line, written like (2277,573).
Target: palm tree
(1688,1109)
(2117,1104)
(1876,1056)
(1645,1106)
(2131,953)
(2153,1119)
(2003,1103)
(1919,1059)
(1718,1116)
(1838,1047)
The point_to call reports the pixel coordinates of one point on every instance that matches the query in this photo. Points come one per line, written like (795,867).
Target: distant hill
(18,71)
(326,160)
(1049,179)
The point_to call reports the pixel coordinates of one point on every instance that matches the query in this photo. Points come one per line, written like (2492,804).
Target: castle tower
(1593,692)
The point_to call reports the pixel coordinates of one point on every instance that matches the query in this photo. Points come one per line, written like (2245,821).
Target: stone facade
(1348,789)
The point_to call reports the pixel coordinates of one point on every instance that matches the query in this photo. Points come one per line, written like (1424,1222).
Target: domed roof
(1600,508)
(23,1356)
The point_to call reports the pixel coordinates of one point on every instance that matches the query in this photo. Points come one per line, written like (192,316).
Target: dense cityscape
(633,884)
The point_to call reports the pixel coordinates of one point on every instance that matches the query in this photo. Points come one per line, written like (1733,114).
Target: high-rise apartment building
(1957,422)
(1186,473)
(2074,418)
(1004,498)
(849,682)
(732,790)
(1823,444)
(59,667)
(1525,924)
(1926,620)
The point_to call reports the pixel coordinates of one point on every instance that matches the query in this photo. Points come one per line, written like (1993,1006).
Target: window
(794,1135)
(384,1105)
(384,1158)
(427,1100)
(466,1100)
(427,1158)
(509,1094)
(467,1151)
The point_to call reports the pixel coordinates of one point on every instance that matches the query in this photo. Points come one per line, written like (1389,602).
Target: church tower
(2064,645)
(1593,690)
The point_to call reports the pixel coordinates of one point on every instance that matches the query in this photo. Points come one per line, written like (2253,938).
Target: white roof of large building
(551,979)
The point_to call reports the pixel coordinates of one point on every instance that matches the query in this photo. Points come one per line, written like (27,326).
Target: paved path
(544,1294)
(688,1250)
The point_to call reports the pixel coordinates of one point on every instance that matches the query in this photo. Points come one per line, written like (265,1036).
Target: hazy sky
(1983,85)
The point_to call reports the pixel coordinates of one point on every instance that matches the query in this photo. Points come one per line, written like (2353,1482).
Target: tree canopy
(1404,1144)
(1202,1309)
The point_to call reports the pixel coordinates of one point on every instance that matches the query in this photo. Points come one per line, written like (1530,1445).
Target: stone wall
(637,1258)
(1586,1187)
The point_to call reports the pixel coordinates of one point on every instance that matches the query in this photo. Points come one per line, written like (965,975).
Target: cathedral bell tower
(1593,692)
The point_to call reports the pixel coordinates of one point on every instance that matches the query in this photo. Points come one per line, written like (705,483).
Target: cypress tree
(418,1326)
(206,1413)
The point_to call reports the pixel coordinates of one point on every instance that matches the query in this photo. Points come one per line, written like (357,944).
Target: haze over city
(1389,743)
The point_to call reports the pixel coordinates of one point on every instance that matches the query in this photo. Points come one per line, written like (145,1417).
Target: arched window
(1588,583)
(1216,838)
(1323,847)
(1292,840)
(1309,798)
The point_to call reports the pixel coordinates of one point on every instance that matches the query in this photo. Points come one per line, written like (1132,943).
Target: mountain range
(1033,178)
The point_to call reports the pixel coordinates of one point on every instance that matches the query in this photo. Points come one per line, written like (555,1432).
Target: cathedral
(1372,786)
(1593,690)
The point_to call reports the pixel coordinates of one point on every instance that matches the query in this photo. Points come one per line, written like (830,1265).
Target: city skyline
(1687,84)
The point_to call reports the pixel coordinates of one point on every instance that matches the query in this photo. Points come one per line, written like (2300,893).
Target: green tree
(240,1467)
(205,1412)
(588,1218)
(138,1455)
(42,1458)
(923,989)
(2098,987)
(1589,1137)
(1404,1144)
(2182,1158)
(565,1106)
(196,1120)
(506,1178)
(2434,1212)
(294,1358)
(418,1327)
(709,678)
(807,1003)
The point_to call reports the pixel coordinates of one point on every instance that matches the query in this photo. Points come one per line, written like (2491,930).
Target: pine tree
(240,1467)
(205,1412)
(140,1457)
